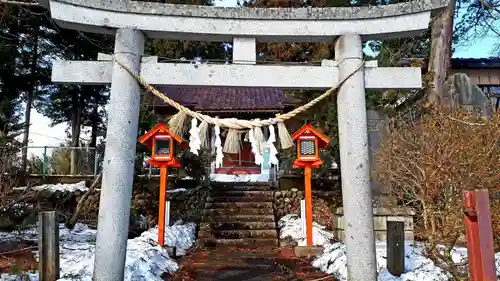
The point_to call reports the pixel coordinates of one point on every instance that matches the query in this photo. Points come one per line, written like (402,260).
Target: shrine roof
(475,63)
(227,99)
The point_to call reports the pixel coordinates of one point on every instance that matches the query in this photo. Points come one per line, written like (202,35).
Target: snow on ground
(71,187)
(290,226)
(334,259)
(145,259)
(177,190)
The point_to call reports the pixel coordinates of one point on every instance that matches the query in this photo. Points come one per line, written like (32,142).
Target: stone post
(378,130)
(119,156)
(354,159)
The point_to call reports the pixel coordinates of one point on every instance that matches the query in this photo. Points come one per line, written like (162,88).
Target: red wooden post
(479,234)
(163,200)
(308,195)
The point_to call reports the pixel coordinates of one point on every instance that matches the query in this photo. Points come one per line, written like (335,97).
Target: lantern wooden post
(161,142)
(308,195)
(162,203)
(309,141)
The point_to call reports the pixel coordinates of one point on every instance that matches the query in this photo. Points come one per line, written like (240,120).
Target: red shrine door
(241,163)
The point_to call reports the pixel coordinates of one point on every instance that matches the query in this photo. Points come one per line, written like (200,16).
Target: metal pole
(354,160)
(44,162)
(167,214)
(48,243)
(303,217)
(96,161)
(118,166)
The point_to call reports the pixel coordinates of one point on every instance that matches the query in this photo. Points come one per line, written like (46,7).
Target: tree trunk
(29,102)
(94,122)
(70,223)
(75,132)
(440,54)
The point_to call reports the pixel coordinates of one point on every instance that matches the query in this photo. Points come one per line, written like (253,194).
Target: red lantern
(309,141)
(161,142)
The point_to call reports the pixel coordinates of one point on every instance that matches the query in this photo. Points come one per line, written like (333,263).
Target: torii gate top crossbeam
(203,23)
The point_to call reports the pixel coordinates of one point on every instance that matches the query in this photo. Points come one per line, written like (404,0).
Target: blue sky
(477,49)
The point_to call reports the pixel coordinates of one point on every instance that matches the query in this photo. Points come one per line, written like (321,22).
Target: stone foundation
(380,218)
(288,201)
(21,209)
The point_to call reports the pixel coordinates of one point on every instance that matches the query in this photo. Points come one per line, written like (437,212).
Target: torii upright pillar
(354,161)
(119,159)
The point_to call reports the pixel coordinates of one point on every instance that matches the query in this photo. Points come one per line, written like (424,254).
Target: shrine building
(225,102)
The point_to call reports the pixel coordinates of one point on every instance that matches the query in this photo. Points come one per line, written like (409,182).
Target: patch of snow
(290,226)
(11,277)
(145,259)
(334,258)
(71,187)
(239,178)
(177,190)
(497,263)
(29,234)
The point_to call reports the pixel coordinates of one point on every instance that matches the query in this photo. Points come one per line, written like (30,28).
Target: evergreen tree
(31,41)
(78,105)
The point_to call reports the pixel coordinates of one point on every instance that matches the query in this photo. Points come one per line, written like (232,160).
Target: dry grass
(428,164)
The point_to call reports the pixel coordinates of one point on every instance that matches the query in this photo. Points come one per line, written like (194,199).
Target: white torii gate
(131,21)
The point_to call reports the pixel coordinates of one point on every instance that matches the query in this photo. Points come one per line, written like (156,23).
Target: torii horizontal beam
(218,24)
(220,75)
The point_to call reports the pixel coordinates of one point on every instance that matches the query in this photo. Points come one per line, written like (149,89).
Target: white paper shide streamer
(218,148)
(194,137)
(272,149)
(255,148)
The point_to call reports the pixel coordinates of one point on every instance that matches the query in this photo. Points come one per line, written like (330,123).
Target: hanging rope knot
(254,127)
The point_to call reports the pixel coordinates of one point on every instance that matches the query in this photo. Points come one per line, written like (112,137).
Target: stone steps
(239,215)
(223,199)
(238,205)
(241,243)
(239,234)
(242,188)
(236,211)
(242,193)
(238,218)
(238,225)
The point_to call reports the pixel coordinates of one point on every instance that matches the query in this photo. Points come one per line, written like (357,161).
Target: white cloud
(42,134)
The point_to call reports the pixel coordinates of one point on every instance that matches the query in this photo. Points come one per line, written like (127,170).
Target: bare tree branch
(489,6)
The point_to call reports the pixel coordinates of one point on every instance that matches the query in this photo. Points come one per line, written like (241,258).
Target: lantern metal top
(308,130)
(162,129)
